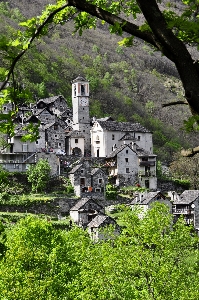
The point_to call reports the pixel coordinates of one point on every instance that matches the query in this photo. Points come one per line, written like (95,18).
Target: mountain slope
(131,84)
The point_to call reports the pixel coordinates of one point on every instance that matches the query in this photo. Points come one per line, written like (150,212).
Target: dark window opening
(76,141)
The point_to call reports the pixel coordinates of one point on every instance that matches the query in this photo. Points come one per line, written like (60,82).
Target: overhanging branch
(30,41)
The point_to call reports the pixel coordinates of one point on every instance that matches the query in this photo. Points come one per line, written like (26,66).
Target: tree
(38,175)
(40,262)
(166,29)
(186,169)
(151,259)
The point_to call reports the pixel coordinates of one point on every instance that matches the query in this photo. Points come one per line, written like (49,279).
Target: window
(98,190)
(127,170)
(83,130)
(127,151)
(37,142)
(138,138)
(82,181)
(76,141)
(126,159)
(113,136)
(55,135)
(100,180)
(59,144)
(82,170)
(4,108)
(144,158)
(82,89)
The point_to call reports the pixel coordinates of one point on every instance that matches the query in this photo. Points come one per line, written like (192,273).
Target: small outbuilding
(98,224)
(85,210)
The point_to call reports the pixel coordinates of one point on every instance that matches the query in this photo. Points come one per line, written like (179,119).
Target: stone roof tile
(123,126)
(187,197)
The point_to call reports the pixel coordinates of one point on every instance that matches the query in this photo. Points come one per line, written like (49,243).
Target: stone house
(18,154)
(96,228)
(85,210)
(44,115)
(55,136)
(186,204)
(74,143)
(55,104)
(129,164)
(144,200)
(87,179)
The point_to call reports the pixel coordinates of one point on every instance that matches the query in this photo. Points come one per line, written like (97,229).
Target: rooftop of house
(138,150)
(145,198)
(96,170)
(122,126)
(101,220)
(75,134)
(50,99)
(187,197)
(80,204)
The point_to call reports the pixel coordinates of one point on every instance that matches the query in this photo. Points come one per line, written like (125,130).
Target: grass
(9,219)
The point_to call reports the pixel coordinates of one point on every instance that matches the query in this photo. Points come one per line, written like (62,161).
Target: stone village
(91,152)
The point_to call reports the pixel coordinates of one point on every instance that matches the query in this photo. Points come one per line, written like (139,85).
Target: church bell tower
(80,101)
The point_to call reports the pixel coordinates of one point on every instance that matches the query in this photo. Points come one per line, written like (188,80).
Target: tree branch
(30,41)
(112,19)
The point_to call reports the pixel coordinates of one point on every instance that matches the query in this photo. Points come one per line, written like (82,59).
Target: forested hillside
(130,84)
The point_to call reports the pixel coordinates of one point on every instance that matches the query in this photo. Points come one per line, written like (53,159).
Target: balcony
(183,211)
(147,163)
(146,173)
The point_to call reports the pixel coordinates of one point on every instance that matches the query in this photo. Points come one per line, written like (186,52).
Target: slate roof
(82,202)
(146,197)
(38,111)
(95,170)
(99,220)
(122,126)
(139,151)
(75,134)
(75,168)
(49,125)
(50,99)
(117,150)
(79,78)
(187,197)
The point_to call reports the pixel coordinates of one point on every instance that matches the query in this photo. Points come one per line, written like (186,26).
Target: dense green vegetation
(129,86)
(149,260)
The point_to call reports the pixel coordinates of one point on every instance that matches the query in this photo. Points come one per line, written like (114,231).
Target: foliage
(38,175)
(3,176)
(111,191)
(186,170)
(151,259)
